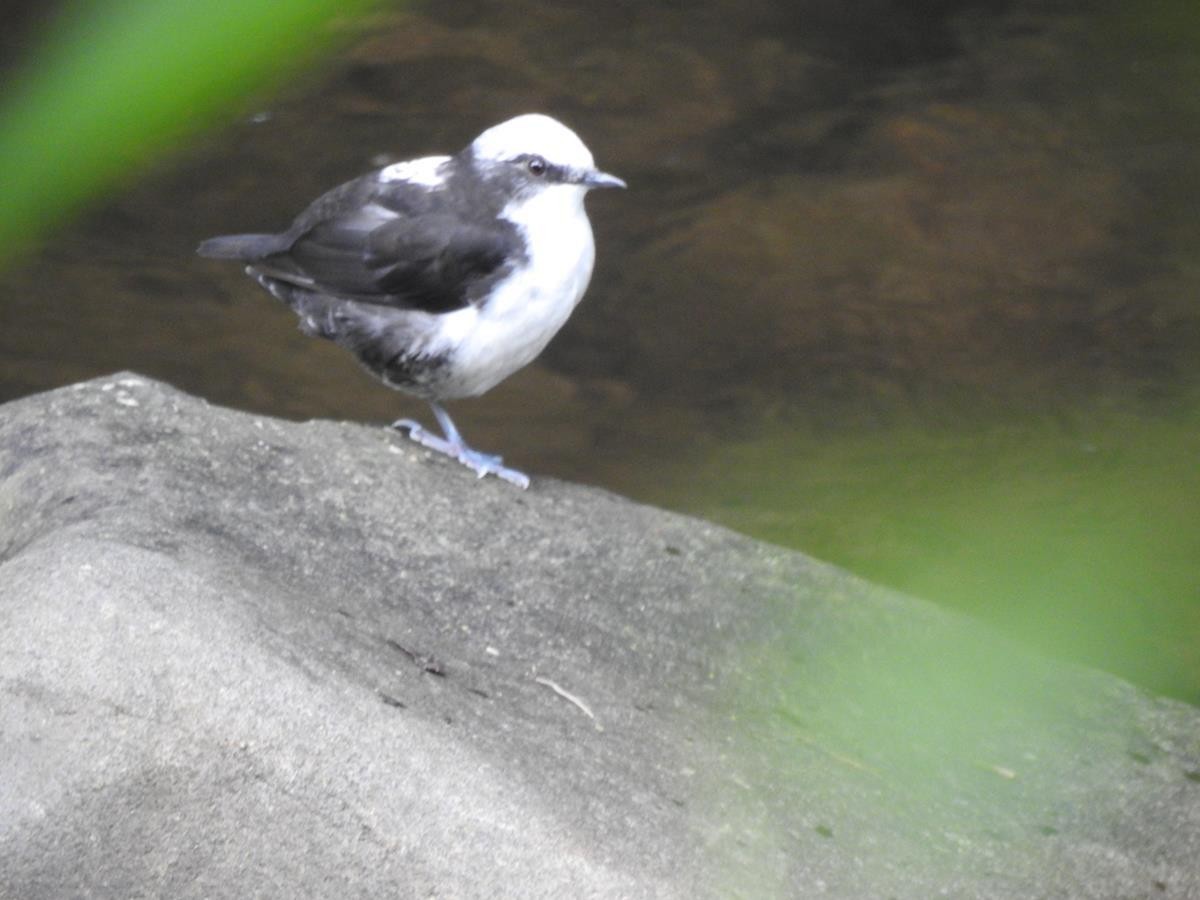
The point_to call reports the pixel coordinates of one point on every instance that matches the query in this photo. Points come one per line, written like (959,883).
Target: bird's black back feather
(241,246)
(393,243)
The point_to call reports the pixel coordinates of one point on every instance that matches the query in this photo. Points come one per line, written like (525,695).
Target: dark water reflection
(911,286)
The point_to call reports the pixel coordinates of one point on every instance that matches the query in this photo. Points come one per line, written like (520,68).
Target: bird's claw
(482,464)
(413,430)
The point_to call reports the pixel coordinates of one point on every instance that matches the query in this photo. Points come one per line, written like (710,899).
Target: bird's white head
(544,149)
(533,133)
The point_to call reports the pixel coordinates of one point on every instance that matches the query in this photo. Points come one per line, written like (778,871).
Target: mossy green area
(1079,534)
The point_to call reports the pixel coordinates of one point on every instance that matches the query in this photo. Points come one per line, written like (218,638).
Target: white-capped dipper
(445,274)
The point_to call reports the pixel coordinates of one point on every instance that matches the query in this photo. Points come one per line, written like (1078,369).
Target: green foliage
(1081,536)
(117,82)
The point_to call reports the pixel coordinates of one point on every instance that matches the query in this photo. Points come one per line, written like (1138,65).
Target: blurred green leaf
(117,82)
(1079,537)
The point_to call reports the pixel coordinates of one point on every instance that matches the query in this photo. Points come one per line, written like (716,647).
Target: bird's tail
(246,247)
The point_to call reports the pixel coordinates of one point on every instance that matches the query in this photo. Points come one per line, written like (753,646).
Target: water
(907,286)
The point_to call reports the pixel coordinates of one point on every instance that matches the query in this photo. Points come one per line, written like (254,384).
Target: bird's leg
(455,447)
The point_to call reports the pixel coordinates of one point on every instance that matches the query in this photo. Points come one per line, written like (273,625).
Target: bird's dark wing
(407,246)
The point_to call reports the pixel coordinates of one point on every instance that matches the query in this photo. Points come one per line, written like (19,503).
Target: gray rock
(245,657)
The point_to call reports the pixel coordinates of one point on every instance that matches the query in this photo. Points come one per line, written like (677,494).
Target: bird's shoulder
(414,235)
(383,190)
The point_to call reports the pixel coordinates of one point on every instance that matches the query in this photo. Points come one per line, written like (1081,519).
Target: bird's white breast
(490,342)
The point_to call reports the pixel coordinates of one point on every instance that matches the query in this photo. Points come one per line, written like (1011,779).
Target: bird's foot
(488,464)
(481,464)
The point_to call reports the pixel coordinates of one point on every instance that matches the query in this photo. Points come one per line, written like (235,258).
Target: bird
(443,275)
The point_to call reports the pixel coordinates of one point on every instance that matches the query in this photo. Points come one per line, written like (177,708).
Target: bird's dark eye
(536,165)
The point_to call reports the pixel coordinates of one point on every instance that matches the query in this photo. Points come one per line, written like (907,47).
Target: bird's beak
(593,178)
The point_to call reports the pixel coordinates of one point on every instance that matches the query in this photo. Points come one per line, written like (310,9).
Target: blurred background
(909,285)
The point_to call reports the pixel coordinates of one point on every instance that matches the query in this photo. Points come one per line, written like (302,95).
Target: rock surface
(247,657)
